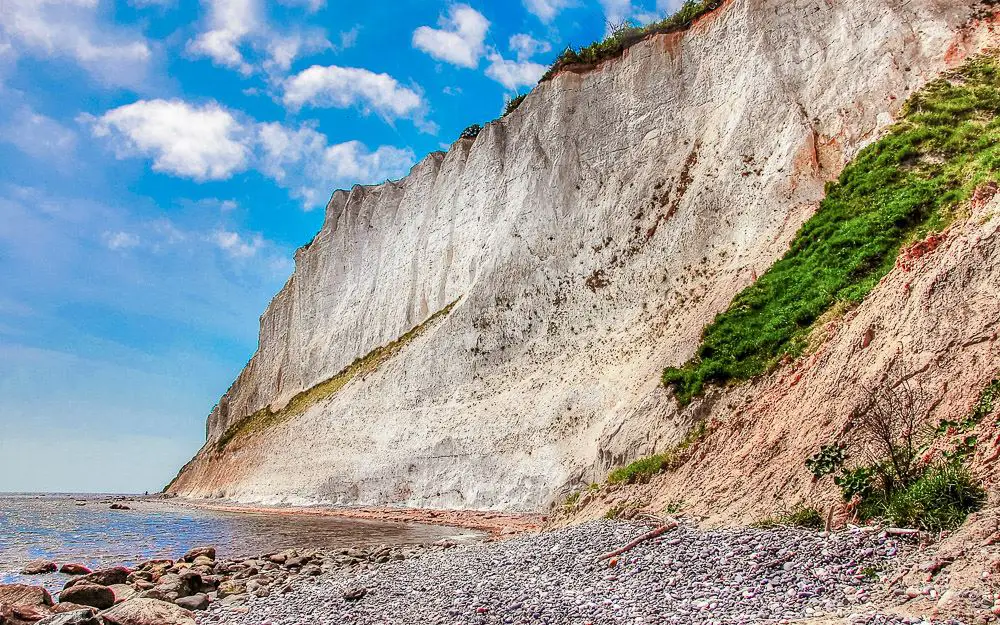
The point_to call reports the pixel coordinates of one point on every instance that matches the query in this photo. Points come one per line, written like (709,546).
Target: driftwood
(901,531)
(829,520)
(659,531)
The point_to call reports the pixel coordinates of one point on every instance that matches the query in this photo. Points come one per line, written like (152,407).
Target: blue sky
(160,161)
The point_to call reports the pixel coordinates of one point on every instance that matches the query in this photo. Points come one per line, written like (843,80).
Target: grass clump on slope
(946,143)
(266,418)
(643,469)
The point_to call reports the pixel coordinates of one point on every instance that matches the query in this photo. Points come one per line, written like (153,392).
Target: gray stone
(76,617)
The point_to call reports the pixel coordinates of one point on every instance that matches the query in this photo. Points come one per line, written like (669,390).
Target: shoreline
(494,524)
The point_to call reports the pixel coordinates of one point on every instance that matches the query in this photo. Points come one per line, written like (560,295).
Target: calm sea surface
(58,528)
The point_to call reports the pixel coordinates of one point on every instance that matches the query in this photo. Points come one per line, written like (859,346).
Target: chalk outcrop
(582,242)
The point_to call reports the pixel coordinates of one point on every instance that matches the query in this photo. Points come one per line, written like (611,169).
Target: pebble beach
(684,576)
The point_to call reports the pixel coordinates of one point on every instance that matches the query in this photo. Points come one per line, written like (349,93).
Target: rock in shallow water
(38,567)
(74,569)
(104,577)
(207,552)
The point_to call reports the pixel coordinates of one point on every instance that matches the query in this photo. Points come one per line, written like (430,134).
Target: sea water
(84,529)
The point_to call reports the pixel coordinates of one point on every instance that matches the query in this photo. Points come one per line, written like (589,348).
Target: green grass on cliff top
(911,182)
(627,34)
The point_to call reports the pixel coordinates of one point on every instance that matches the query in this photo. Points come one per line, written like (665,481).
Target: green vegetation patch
(643,470)
(799,516)
(265,418)
(900,188)
(628,34)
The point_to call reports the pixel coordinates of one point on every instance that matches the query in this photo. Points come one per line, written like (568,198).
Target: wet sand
(496,524)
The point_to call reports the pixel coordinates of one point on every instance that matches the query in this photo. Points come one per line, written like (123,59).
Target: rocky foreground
(683,576)
(169,592)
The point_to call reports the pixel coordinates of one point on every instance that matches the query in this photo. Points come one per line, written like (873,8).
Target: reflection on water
(55,527)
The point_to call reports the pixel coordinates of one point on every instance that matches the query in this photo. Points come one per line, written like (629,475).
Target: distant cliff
(492,328)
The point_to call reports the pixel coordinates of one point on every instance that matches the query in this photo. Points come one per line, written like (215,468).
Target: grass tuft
(643,470)
(799,516)
(265,418)
(910,183)
(938,500)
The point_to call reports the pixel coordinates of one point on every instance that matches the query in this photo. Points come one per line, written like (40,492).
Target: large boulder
(94,595)
(21,594)
(148,612)
(104,577)
(38,567)
(71,568)
(76,617)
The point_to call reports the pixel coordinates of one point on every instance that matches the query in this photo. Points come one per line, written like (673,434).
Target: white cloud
(616,11)
(342,87)
(229,23)
(525,46)
(513,74)
(302,161)
(71,29)
(667,7)
(235,27)
(36,135)
(349,38)
(200,142)
(546,10)
(209,142)
(118,241)
(236,245)
(282,50)
(459,41)
(310,5)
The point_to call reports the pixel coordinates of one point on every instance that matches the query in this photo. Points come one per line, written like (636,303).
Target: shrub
(471,132)
(903,186)
(512,104)
(888,434)
(889,430)
(828,460)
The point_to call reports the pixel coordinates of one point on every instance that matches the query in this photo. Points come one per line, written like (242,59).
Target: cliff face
(585,241)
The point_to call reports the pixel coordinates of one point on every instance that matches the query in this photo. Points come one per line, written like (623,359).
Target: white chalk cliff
(586,240)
